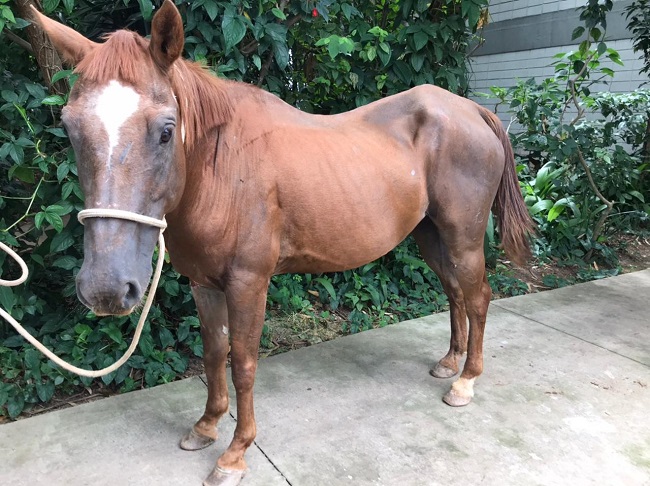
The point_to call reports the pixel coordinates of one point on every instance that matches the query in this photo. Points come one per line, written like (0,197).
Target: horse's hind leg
(469,266)
(456,255)
(434,253)
(213,314)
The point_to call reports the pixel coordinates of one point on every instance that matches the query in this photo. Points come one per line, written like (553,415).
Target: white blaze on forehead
(114,105)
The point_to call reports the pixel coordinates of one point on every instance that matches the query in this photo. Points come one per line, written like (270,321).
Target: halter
(94,213)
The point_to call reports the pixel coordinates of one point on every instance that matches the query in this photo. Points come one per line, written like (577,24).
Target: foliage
(323,56)
(581,154)
(638,17)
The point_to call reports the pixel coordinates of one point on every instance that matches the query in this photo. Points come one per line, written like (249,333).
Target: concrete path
(564,399)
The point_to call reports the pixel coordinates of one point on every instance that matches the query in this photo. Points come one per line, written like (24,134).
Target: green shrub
(583,160)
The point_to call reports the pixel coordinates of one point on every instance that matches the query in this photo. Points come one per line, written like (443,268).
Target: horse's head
(123,122)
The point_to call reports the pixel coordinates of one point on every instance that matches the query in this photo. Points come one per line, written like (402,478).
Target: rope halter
(94,213)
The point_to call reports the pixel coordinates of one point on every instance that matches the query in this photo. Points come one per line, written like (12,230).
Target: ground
(286,333)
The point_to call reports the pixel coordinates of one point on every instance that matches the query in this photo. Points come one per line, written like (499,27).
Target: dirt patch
(633,254)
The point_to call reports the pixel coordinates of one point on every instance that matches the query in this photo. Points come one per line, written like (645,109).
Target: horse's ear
(70,44)
(167,38)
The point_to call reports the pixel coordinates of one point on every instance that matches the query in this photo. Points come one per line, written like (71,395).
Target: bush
(583,159)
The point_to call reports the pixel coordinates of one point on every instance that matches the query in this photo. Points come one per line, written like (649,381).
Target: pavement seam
(494,303)
(266,455)
(257,445)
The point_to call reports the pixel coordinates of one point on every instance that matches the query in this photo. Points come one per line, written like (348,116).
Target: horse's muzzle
(108,296)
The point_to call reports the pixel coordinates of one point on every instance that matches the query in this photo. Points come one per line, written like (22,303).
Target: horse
(252,187)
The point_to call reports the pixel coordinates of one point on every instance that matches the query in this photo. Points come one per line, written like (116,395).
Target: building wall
(512,9)
(520,44)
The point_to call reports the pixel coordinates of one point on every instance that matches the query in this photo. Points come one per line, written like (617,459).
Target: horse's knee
(243,375)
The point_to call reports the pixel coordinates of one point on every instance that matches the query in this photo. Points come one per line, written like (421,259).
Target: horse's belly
(348,225)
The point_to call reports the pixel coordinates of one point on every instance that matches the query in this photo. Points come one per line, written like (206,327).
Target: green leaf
(45,391)
(278,13)
(281,53)
(542,205)
(384,53)
(420,40)
(62,171)
(637,195)
(9,96)
(25,174)
(473,15)
(61,75)
(57,132)
(57,209)
(211,8)
(166,338)
(32,359)
(333,47)
(66,262)
(36,90)
(347,10)
(595,33)
(55,220)
(69,5)
(146,8)
(55,100)
(171,287)
(233,29)
(113,332)
(146,345)
(327,285)
(577,32)
(50,5)
(257,62)
(7,299)
(8,14)
(38,219)
(555,211)
(16,405)
(417,60)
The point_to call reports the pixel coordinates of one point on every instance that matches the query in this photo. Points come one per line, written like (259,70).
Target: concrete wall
(524,35)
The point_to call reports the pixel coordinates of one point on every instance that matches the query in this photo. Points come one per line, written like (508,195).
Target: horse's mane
(201,96)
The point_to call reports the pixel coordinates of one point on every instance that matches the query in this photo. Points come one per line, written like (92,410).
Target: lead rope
(93,213)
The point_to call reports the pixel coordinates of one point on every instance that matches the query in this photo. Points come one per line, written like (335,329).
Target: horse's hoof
(194,441)
(441,371)
(224,477)
(461,393)
(455,400)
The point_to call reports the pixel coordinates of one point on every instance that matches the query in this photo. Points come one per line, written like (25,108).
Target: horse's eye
(166,135)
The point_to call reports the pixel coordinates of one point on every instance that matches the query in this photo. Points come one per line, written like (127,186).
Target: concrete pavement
(564,399)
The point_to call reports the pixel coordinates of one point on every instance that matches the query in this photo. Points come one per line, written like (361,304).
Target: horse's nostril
(132,295)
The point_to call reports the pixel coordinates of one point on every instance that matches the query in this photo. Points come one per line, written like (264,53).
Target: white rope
(94,213)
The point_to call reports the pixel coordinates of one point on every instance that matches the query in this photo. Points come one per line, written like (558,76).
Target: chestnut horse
(251,188)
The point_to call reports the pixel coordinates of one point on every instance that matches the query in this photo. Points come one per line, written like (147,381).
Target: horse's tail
(514,221)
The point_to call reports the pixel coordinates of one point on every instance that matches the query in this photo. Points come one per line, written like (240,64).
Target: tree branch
(18,40)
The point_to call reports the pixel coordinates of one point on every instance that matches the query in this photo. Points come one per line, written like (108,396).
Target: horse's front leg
(213,313)
(246,298)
